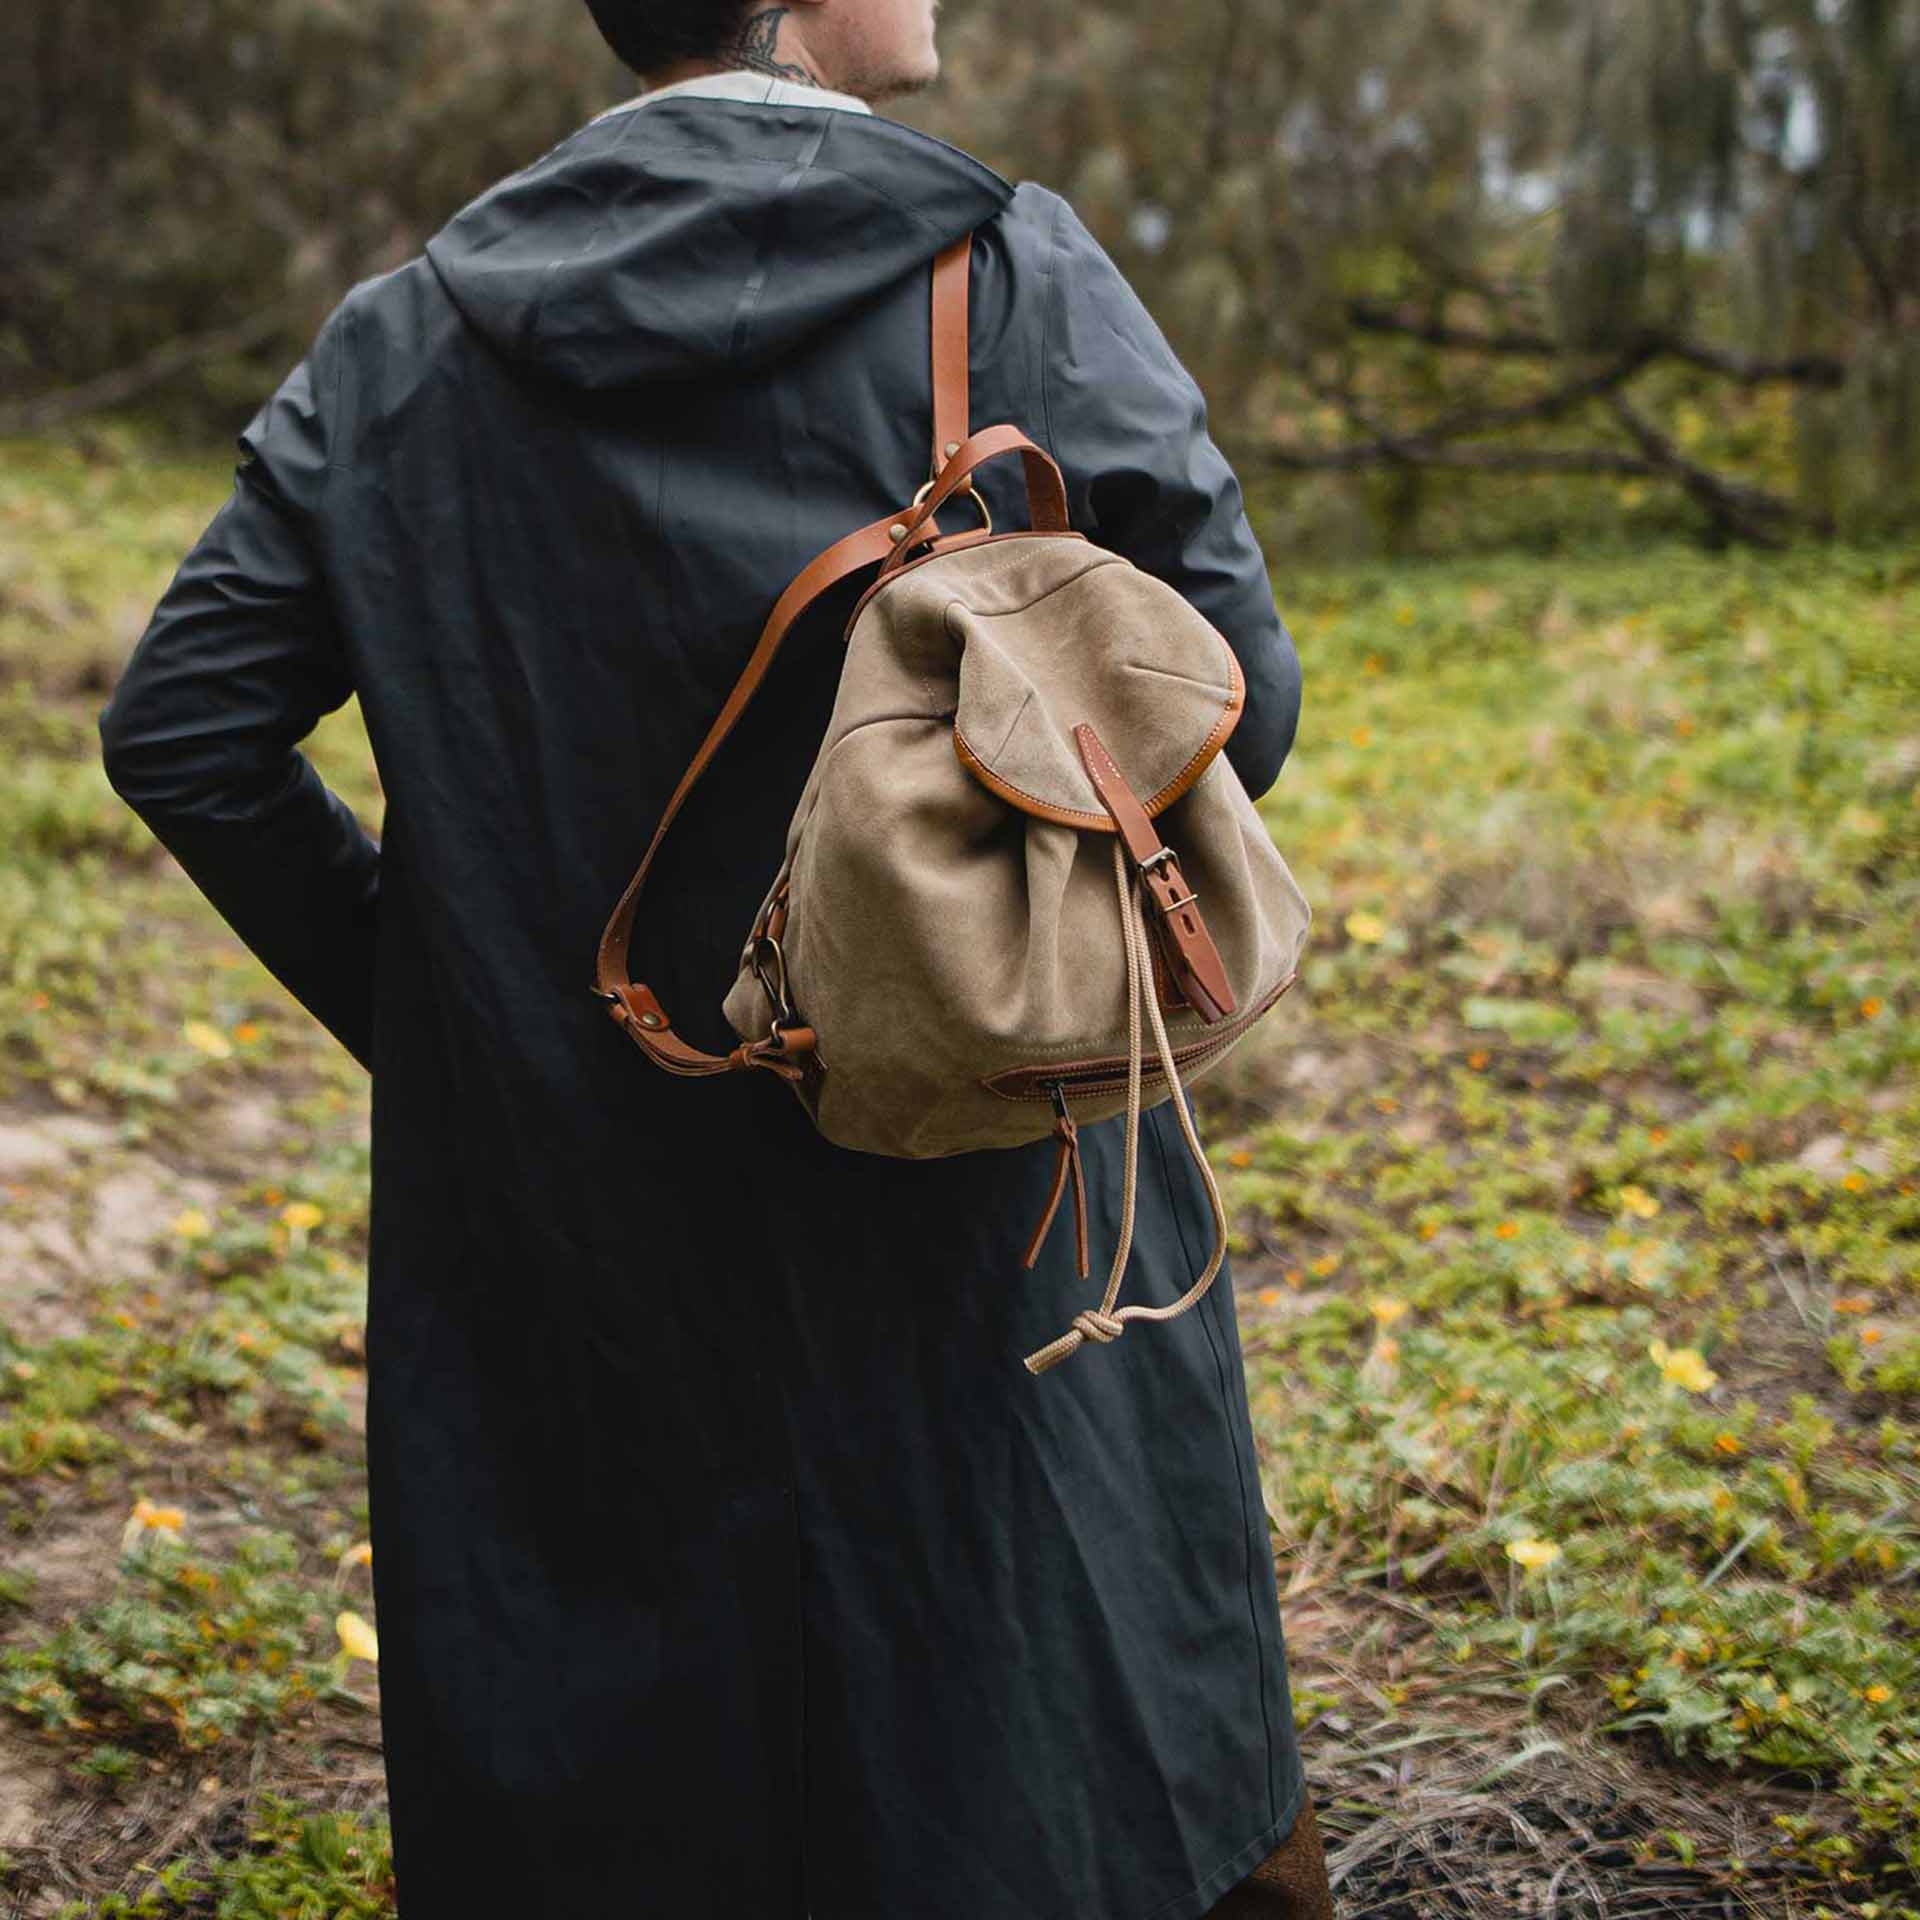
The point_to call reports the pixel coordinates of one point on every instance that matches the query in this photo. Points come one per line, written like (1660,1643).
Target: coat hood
(690,235)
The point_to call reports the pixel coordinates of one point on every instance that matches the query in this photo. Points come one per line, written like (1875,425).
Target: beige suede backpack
(1019,853)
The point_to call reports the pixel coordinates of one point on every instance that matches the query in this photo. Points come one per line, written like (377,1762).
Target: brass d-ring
(971,493)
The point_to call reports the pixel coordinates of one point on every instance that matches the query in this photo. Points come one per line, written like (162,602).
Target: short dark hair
(648,34)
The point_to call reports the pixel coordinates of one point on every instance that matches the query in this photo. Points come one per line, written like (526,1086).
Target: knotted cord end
(1102,1324)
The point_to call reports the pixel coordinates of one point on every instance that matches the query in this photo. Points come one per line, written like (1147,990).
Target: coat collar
(738,83)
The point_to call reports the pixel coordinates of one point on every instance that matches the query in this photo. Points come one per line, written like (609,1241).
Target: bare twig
(126,383)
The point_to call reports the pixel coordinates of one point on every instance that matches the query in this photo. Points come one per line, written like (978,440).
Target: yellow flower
(1534,1555)
(357,1640)
(1871,1009)
(1726,1443)
(1507,1229)
(302,1215)
(208,1039)
(358,1556)
(1269,1296)
(1361,736)
(1386,1309)
(1682,1366)
(1240,1157)
(147,1518)
(1368,929)
(192,1224)
(1639,1202)
(1326,1264)
(1879,1695)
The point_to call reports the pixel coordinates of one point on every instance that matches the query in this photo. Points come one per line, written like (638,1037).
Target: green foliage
(1593,1211)
(184,1654)
(49,1399)
(297,1866)
(276,1345)
(172,170)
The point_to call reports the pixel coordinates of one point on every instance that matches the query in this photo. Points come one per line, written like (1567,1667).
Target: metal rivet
(953,447)
(651,1020)
(897,532)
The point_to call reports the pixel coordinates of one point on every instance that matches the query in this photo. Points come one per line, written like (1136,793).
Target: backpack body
(951,935)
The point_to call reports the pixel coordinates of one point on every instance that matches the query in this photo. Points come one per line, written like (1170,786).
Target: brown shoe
(1289,1884)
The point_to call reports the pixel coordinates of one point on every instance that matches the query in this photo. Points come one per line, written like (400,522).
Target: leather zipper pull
(1071,1133)
(1066,1164)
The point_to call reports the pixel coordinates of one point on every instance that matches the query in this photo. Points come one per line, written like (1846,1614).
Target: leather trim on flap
(1098,820)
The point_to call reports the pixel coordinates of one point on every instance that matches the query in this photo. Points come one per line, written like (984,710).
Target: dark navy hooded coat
(729,1564)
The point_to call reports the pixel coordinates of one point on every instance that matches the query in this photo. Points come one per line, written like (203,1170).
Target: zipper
(1108,1074)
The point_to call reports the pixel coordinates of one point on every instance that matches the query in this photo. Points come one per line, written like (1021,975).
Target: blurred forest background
(1569,353)
(1427,252)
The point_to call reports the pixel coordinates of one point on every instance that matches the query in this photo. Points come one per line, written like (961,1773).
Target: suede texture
(940,933)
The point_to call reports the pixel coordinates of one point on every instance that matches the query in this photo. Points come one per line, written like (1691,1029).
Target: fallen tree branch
(1733,505)
(1384,452)
(125,383)
(1804,369)
(1549,405)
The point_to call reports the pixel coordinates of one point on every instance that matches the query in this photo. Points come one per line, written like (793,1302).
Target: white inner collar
(738,83)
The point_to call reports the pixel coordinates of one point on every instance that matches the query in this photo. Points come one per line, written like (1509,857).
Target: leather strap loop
(1046,491)
(635,1006)
(1184,942)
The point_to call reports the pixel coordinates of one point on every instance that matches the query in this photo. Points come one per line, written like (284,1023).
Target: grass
(1577,1196)
(1580,1195)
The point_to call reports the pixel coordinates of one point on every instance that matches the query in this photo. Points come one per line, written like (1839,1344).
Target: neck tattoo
(753,47)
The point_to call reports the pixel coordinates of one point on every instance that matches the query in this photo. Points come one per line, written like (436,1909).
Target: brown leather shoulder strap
(628,1002)
(951,401)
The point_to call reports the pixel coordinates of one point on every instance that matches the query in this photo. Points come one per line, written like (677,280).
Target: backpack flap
(1154,680)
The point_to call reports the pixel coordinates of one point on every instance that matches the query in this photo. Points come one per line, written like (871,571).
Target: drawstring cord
(1103,1323)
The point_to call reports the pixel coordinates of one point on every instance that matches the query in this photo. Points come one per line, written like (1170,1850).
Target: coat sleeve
(239,661)
(1127,424)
